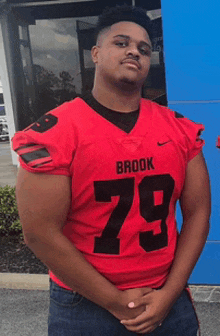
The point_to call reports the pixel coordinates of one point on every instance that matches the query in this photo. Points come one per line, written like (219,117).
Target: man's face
(122,54)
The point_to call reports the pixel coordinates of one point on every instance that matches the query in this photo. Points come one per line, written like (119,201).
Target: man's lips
(131,61)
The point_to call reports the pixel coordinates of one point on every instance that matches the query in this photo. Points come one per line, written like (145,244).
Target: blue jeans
(71,314)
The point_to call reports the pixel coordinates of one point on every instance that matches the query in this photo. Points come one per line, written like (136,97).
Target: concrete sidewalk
(24,281)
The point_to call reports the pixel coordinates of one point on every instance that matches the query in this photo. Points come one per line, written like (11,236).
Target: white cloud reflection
(43,37)
(54,46)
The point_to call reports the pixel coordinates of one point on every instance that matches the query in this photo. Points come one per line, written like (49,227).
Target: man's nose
(133,51)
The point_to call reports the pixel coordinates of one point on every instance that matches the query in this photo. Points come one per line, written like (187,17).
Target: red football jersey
(124,185)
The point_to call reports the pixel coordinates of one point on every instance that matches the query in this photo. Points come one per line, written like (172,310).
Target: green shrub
(10,224)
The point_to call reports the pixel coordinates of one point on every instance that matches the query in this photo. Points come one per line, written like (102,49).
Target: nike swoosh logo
(163,143)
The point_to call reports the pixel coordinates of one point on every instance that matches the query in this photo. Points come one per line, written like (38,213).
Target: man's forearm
(69,265)
(190,244)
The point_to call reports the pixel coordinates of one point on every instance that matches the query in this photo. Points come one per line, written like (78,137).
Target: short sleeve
(47,146)
(192,133)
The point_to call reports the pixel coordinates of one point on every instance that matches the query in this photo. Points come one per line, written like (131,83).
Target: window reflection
(61,59)
(1,99)
(155,85)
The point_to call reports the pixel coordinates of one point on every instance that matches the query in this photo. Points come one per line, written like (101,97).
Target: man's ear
(94,53)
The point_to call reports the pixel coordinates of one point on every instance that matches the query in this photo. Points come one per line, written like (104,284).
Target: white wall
(7,95)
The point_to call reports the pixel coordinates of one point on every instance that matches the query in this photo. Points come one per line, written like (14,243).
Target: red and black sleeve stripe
(34,155)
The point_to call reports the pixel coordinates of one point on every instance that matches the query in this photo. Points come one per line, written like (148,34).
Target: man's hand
(122,310)
(157,305)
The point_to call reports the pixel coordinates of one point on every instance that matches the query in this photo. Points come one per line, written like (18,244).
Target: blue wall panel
(207,270)
(192,48)
(209,116)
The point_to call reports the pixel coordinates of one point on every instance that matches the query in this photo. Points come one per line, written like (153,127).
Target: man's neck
(117,100)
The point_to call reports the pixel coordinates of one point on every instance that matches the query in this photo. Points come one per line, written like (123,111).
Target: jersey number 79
(108,243)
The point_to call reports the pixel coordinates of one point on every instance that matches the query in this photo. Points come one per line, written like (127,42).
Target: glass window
(155,85)
(2,111)
(62,63)
(1,99)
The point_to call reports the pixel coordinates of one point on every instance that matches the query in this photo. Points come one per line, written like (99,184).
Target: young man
(97,188)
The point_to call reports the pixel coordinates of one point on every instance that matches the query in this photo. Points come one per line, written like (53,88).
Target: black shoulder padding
(178,115)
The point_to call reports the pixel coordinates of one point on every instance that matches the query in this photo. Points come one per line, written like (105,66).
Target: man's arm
(195,206)
(43,204)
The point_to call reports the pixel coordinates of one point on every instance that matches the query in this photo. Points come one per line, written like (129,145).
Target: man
(96,194)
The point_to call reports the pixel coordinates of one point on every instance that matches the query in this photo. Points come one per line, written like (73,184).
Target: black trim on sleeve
(41,164)
(32,156)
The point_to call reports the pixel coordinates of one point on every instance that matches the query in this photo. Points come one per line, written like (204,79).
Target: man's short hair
(117,14)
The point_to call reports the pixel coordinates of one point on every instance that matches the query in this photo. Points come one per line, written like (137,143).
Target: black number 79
(108,243)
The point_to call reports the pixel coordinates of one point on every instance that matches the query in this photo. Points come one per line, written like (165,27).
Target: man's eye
(121,44)
(145,51)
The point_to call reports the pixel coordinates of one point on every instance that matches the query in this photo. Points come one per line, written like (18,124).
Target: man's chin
(128,81)
(128,84)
